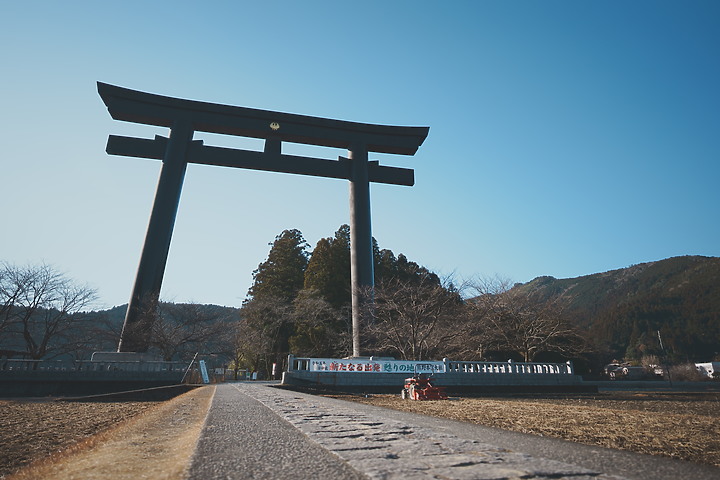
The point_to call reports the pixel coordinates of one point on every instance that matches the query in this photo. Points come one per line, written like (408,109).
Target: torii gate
(184,117)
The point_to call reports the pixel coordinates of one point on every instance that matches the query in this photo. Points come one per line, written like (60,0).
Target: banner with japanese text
(375,366)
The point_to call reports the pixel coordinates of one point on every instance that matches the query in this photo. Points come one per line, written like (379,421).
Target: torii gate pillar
(362,278)
(184,117)
(142,306)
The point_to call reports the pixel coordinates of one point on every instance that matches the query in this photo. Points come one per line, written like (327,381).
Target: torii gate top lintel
(151,109)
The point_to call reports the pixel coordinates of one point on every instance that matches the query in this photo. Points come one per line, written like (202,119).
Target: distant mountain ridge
(623,310)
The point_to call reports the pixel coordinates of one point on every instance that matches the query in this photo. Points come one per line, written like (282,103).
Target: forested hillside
(623,310)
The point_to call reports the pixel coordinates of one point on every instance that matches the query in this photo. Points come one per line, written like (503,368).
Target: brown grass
(33,430)
(679,425)
(151,440)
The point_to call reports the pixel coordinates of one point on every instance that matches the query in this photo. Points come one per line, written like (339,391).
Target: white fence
(515,368)
(380,365)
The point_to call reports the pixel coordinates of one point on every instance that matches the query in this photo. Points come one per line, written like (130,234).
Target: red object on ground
(420,388)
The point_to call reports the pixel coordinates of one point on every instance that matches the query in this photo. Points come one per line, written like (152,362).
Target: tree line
(299,303)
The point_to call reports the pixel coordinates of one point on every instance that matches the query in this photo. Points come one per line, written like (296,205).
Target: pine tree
(268,311)
(410,272)
(385,264)
(328,271)
(281,276)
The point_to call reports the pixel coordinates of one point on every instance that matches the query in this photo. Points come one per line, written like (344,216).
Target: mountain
(623,310)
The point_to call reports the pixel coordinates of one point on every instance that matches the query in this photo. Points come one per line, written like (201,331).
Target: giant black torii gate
(184,117)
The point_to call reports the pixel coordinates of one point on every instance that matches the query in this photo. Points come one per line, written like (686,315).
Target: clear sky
(566,138)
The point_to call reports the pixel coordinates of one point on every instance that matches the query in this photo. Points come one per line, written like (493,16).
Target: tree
(182,329)
(281,276)
(416,318)
(267,312)
(267,324)
(481,338)
(321,330)
(402,270)
(241,347)
(322,309)
(102,331)
(328,271)
(41,311)
(11,287)
(328,277)
(516,321)
(385,264)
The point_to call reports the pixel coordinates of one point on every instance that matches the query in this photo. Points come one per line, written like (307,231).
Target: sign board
(375,366)
(204,372)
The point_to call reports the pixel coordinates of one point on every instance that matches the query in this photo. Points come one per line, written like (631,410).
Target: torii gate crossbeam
(184,117)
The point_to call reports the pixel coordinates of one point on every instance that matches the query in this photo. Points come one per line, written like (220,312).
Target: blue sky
(566,138)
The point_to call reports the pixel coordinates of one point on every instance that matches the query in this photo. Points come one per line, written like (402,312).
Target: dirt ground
(679,425)
(64,440)
(30,430)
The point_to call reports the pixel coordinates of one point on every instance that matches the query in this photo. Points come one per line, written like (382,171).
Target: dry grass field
(151,440)
(32,430)
(680,425)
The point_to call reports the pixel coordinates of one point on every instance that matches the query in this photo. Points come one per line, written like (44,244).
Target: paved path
(256,431)
(244,439)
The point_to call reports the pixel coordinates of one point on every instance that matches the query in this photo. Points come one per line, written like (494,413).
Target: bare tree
(319,328)
(416,319)
(239,347)
(507,319)
(181,329)
(41,311)
(268,324)
(11,287)
(248,347)
(480,337)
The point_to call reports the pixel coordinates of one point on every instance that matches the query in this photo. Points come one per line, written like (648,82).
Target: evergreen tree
(281,276)
(328,271)
(412,273)
(268,311)
(267,324)
(385,263)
